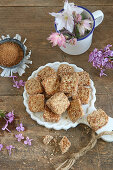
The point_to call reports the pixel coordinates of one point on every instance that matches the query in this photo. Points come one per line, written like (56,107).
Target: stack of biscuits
(54,92)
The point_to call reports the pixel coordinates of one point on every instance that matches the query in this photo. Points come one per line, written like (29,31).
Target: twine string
(75,156)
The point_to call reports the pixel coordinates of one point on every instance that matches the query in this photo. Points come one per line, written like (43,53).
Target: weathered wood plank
(43,156)
(53,2)
(36,24)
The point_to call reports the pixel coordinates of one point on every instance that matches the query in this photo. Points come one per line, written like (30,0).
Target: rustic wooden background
(31,19)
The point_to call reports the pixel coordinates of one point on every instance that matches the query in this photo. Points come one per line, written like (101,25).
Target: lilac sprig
(102,59)
(9,148)
(19,137)
(17,84)
(9,117)
(20,128)
(28,141)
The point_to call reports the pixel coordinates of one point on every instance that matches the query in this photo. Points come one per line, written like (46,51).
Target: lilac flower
(21,83)
(1,146)
(16,84)
(102,59)
(10,116)
(19,137)
(5,127)
(28,141)
(10,147)
(20,128)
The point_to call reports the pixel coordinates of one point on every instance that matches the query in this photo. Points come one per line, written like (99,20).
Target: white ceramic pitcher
(84,43)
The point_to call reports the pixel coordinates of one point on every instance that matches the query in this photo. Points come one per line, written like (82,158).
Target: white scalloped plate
(64,123)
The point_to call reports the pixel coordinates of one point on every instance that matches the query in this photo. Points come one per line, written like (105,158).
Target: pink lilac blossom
(9,148)
(28,141)
(20,128)
(102,59)
(57,39)
(19,137)
(1,146)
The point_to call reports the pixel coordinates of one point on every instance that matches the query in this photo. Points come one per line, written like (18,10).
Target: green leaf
(77,33)
(2,113)
(83,16)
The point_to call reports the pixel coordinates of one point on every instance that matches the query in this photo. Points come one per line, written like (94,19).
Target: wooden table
(31,19)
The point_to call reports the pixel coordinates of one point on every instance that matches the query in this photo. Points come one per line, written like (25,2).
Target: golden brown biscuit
(47,139)
(49,116)
(36,103)
(33,86)
(46,72)
(58,103)
(97,119)
(64,144)
(75,110)
(84,79)
(64,69)
(51,84)
(69,84)
(83,94)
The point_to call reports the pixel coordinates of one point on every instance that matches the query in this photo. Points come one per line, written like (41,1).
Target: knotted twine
(75,156)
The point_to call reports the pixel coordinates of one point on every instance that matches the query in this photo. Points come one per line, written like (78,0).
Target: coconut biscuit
(33,86)
(49,116)
(84,79)
(58,103)
(75,110)
(64,69)
(97,119)
(51,84)
(45,72)
(36,103)
(83,94)
(69,84)
(64,144)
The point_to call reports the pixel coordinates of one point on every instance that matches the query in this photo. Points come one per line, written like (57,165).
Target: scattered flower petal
(19,137)
(28,141)
(20,128)
(1,146)
(9,148)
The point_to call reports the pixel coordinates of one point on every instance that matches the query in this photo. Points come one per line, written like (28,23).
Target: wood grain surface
(31,19)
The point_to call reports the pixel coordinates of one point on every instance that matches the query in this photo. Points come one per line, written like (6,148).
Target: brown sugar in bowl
(11,52)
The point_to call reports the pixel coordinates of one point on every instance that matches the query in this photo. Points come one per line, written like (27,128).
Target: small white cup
(84,43)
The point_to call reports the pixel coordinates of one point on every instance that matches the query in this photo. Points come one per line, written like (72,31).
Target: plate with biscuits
(59,95)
